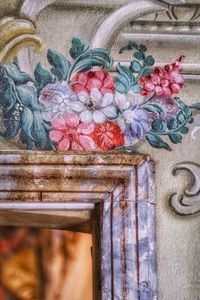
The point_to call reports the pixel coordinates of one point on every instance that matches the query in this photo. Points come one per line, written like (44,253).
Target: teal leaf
(26,140)
(158,125)
(60,64)
(138,55)
(119,86)
(175,137)
(184,130)
(172,124)
(126,74)
(92,57)
(181,118)
(135,66)
(149,60)
(42,77)
(11,121)
(78,47)
(18,76)
(28,97)
(195,106)
(27,122)
(143,48)
(130,45)
(156,142)
(135,88)
(39,132)
(154,107)
(9,99)
(146,72)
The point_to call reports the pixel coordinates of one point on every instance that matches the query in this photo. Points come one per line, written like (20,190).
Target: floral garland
(81,106)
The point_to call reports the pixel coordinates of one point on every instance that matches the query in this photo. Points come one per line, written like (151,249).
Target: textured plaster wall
(177,237)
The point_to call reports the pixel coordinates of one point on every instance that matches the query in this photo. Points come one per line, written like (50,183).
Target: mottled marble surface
(122,187)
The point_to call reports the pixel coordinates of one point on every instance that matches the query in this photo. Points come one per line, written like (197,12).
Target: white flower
(95,106)
(56,99)
(131,113)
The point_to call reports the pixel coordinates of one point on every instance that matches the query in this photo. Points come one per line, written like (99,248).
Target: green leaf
(39,131)
(146,72)
(27,122)
(130,45)
(184,130)
(9,99)
(138,55)
(154,107)
(181,118)
(143,48)
(156,142)
(195,106)
(90,58)
(119,86)
(135,88)
(11,121)
(60,64)
(149,60)
(135,66)
(28,97)
(17,75)
(126,73)
(78,47)
(158,125)
(172,124)
(42,77)
(175,137)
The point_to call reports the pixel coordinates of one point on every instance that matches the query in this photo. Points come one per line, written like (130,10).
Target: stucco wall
(177,237)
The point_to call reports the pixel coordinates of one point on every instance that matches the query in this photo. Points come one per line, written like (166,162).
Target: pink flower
(108,136)
(164,81)
(86,81)
(68,133)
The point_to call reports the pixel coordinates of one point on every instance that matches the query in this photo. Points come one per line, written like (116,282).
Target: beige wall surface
(178,238)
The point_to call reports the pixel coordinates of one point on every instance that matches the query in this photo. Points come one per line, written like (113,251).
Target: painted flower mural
(80,105)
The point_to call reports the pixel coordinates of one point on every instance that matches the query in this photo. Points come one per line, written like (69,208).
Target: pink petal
(64,144)
(159,91)
(105,90)
(76,87)
(167,91)
(100,75)
(165,83)
(176,77)
(81,78)
(55,135)
(58,123)
(175,87)
(155,79)
(76,147)
(108,82)
(72,119)
(149,86)
(94,83)
(87,143)
(86,128)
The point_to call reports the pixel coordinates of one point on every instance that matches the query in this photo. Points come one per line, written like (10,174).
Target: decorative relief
(187,203)
(79,106)
(16,34)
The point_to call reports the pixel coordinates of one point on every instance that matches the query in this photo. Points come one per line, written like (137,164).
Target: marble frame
(110,195)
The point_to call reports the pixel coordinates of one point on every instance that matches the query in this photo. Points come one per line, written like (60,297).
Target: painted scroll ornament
(79,105)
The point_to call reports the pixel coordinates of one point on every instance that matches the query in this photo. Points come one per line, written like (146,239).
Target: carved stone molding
(117,187)
(187,203)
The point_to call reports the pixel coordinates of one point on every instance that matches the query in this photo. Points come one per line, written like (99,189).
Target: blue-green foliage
(127,79)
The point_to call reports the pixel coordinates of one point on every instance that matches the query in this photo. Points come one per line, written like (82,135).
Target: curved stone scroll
(16,34)
(110,28)
(189,202)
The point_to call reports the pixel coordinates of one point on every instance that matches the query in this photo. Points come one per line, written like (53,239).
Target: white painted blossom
(95,106)
(56,99)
